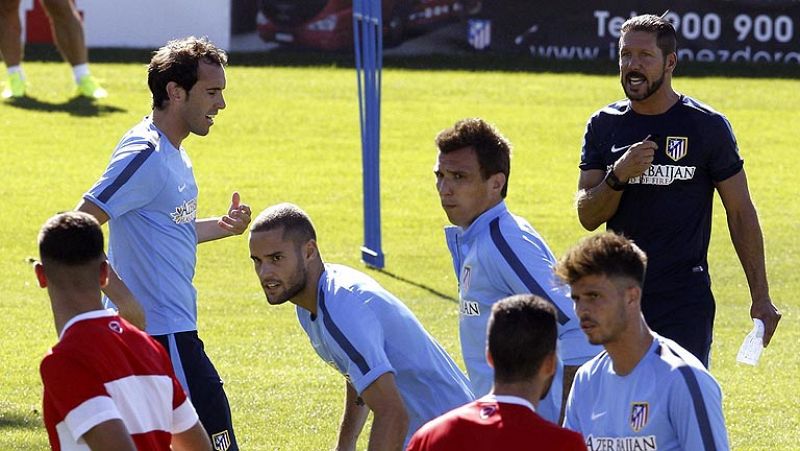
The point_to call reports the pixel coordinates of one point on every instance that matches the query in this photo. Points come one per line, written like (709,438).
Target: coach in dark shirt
(649,167)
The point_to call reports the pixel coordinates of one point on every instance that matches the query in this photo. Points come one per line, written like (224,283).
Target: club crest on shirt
(640,412)
(466,275)
(221,440)
(115,326)
(677,147)
(185,212)
(487,411)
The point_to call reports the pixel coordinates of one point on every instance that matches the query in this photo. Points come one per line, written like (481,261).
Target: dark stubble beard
(295,285)
(651,88)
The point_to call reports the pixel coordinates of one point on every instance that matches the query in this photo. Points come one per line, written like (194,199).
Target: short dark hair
(71,239)
(295,222)
(522,332)
(492,148)
(605,254)
(178,61)
(666,38)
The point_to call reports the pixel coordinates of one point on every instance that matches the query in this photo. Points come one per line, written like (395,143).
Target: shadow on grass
(430,290)
(76,106)
(17,420)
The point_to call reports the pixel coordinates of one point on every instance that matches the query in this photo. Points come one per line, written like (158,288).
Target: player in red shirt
(107,384)
(522,346)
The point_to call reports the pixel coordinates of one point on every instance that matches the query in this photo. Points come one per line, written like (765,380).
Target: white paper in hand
(753,344)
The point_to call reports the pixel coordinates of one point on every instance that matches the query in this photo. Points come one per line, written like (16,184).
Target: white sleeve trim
(89,414)
(184,417)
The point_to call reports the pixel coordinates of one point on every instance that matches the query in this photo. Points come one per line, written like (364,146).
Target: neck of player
(170,126)
(659,102)
(530,391)
(630,346)
(67,304)
(307,297)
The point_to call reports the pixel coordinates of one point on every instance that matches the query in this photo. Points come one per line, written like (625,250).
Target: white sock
(16,70)
(79,71)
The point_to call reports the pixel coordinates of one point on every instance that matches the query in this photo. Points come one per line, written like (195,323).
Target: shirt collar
(482,221)
(508,399)
(92,314)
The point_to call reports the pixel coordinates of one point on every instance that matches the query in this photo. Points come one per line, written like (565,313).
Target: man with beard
(649,168)
(392,366)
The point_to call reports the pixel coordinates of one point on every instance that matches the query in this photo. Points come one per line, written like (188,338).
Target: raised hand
(238,217)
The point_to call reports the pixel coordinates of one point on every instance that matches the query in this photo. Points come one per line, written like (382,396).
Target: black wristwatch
(613,181)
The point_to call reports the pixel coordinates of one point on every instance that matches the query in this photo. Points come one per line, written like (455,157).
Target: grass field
(291,134)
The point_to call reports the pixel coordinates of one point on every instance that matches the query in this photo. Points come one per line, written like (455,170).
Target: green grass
(291,134)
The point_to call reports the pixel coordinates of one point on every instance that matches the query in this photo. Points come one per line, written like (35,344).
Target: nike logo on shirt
(181,188)
(596,415)
(615,149)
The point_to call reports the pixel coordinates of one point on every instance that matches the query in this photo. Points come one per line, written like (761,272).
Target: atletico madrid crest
(222,441)
(640,412)
(465,279)
(677,147)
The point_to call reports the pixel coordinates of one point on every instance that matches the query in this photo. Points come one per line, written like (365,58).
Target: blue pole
(368,46)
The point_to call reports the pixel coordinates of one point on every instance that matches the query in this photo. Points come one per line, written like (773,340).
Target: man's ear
(671,63)
(548,367)
(489,359)
(310,249)
(497,181)
(175,91)
(38,268)
(105,270)
(633,295)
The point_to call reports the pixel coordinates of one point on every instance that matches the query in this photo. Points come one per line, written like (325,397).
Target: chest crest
(677,147)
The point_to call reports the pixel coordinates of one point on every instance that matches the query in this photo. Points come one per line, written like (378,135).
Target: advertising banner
(722,31)
(708,30)
(766,31)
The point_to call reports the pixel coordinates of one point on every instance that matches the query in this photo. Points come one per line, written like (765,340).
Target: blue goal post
(368,41)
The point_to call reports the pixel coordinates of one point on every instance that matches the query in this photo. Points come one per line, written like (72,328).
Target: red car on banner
(328,24)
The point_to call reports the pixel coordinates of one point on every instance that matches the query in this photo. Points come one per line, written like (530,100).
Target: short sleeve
(695,410)
(132,179)
(591,157)
(571,418)
(358,336)
(76,394)
(724,160)
(183,417)
(522,263)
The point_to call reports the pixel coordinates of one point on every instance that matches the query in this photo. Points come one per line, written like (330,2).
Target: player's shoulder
(142,139)
(509,231)
(345,288)
(677,364)
(448,423)
(596,365)
(611,111)
(344,280)
(692,104)
(71,350)
(701,112)
(553,433)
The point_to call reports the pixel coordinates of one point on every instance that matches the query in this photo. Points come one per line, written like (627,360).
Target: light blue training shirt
(668,402)
(149,193)
(364,331)
(501,255)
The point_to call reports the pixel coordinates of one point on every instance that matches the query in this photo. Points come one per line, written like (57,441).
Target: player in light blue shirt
(645,392)
(496,255)
(390,362)
(149,197)
(149,193)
